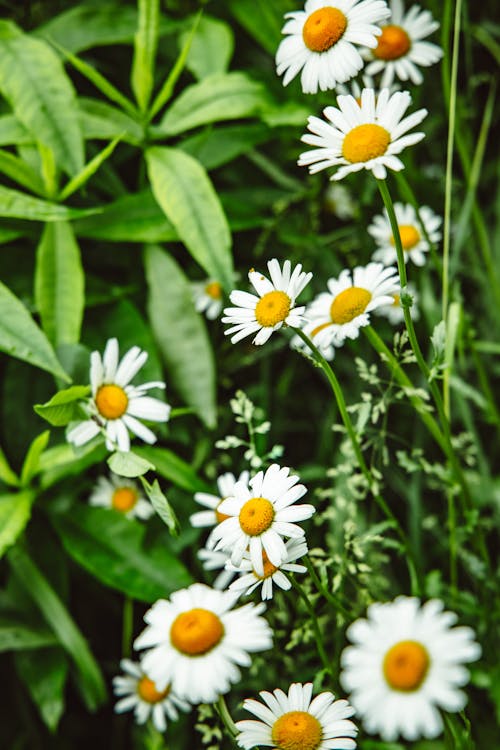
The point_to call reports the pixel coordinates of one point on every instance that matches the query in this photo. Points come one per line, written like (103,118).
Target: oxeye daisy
(406,662)
(295,722)
(394,312)
(115,406)
(272,308)
(207,297)
(312,329)
(400,49)
(212,516)
(141,694)
(122,495)
(340,313)
(249,579)
(197,641)
(362,136)
(260,514)
(320,41)
(413,240)
(216,560)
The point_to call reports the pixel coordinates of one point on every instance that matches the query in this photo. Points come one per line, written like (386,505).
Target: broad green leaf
(20,172)
(89,677)
(161,505)
(221,96)
(7,476)
(15,512)
(20,336)
(211,47)
(16,636)
(60,462)
(44,674)
(173,468)
(128,464)
(184,192)
(17,205)
(9,232)
(145,44)
(63,407)
(214,147)
(32,460)
(263,20)
(59,284)
(288,114)
(114,550)
(181,334)
(102,121)
(12,132)
(33,80)
(89,169)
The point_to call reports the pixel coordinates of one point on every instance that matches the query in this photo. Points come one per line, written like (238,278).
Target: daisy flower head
(138,692)
(295,722)
(394,312)
(197,641)
(321,41)
(271,308)
(365,135)
(216,560)
(115,406)
(207,297)
(260,514)
(249,579)
(312,329)
(413,240)
(123,495)
(339,313)
(212,516)
(400,49)
(406,662)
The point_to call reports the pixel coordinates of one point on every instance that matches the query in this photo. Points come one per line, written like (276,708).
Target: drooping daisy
(123,495)
(312,329)
(196,641)
(399,48)
(207,296)
(295,722)
(362,136)
(260,514)
(272,308)
(406,662)
(116,406)
(212,516)
(249,579)
(320,41)
(212,560)
(394,312)
(141,694)
(415,245)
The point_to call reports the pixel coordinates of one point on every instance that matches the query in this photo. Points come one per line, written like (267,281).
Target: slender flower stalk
(317,632)
(323,590)
(226,718)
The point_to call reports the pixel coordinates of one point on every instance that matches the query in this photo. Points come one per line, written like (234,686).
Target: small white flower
(139,693)
(394,313)
(225,485)
(116,406)
(312,329)
(123,495)
(366,135)
(405,662)
(320,41)
(260,515)
(197,641)
(207,296)
(339,201)
(400,49)
(295,722)
(212,560)
(415,245)
(272,308)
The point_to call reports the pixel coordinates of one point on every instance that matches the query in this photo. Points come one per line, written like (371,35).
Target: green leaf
(173,468)
(15,512)
(102,121)
(161,505)
(12,132)
(211,47)
(64,406)
(7,476)
(113,549)
(44,674)
(89,169)
(263,20)
(128,464)
(17,205)
(32,460)
(145,44)
(221,96)
(214,147)
(184,192)
(16,636)
(60,462)
(21,172)
(20,337)
(182,338)
(34,82)
(59,284)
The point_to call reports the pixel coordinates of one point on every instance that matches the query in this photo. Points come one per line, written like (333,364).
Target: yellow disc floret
(111,401)
(393,43)
(297,730)
(272,308)
(323,29)
(256,516)
(196,632)
(410,236)
(365,142)
(147,691)
(269,568)
(124,499)
(406,665)
(349,304)
(214,290)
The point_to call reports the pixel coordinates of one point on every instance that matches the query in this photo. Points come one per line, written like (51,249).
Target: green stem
(227,719)
(331,598)
(317,632)
(127,626)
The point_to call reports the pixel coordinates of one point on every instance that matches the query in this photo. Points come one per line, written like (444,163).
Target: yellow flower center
(196,632)
(269,568)
(272,308)
(349,304)
(214,290)
(256,516)
(220,517)
(146,689)
(392,44)
(365,142)
(323,29)
(111,401)
(410,236)
(397,300)
(296,730)
(319,328)
(406,665)
(124,499)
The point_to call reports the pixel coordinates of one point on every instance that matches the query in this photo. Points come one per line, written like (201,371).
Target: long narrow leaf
(17,205)
(145,44)
(15,512)
(89,169)
(21,172)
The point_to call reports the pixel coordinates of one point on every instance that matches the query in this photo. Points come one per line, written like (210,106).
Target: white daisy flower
(212,516)
(320,41)
(394,312)
(116,406)
(272,308)
(212,560)
(295,722)
(312,329)
(196,641)
(362,136)
(340,202)
(141,694)
(123,495)
(415,245)
(260,515)
(207,297)
(406,661)
(399,49)
(340,313)
(249,579)
(368,82)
